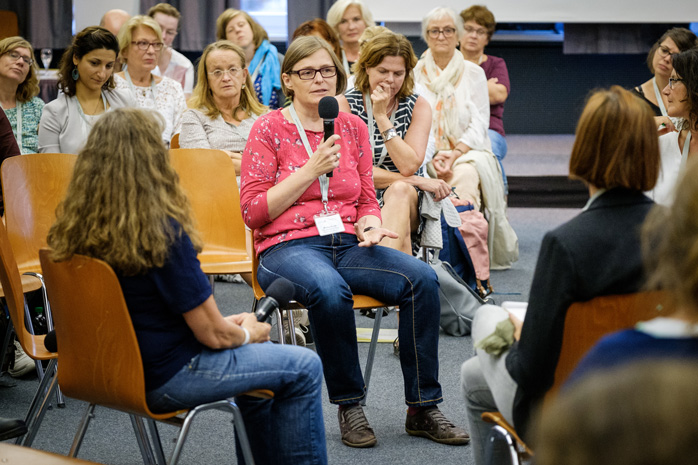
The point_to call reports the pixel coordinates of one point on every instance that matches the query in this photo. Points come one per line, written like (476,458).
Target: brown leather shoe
(430,423)
(356,432)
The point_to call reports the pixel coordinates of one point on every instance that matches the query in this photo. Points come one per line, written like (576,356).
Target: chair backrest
(256,288)
(587,322)
(100,360)
(208,178)
(174,142)
(33,185)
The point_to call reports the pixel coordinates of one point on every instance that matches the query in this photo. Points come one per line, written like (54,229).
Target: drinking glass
(46,57)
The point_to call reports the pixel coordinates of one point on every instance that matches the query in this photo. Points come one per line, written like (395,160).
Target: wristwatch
(389,134)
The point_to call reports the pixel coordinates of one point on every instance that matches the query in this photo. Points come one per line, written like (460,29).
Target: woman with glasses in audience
(140,42)
(349,18)
(457,92)
(87,91)
(320,232)
(677,147)
(19,88)
(479,24)
(673,41)
(124,205)
(262,58)
(399,122)
(224,105)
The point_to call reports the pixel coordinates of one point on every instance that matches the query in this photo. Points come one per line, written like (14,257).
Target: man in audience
(171,63)
(113,20)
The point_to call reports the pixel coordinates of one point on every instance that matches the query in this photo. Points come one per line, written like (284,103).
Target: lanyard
(345,63)
(371,123)
(18,132)
(684,152)
(660,102)
(133,88)
(86,123)
(324,181)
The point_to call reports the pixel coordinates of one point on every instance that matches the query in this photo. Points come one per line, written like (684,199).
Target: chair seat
(224,263)
(17,455)
(29,283)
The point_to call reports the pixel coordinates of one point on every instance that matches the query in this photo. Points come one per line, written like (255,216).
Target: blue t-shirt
(156,301)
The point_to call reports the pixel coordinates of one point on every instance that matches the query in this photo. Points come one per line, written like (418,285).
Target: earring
(75,75)
(243,86)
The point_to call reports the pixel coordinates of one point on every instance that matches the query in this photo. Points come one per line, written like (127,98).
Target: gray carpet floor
(110,438)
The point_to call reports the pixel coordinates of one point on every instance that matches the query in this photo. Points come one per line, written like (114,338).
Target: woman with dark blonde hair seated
(224,105)
(596,253)
(124,205)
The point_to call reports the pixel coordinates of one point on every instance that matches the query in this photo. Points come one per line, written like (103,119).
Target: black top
(638,91)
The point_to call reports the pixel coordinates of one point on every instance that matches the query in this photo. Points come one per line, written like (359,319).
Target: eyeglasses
(480,31)
(665,52)
(15,56)
(447,32)
(673,81)
(144,45)
(309,73)
(219,73)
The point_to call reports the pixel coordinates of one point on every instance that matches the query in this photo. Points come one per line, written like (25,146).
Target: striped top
(403,119)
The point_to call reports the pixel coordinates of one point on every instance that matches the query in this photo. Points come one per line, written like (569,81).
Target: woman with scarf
(457,92)
(263,58)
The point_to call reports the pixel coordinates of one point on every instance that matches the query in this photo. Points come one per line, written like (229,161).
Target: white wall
(89,12)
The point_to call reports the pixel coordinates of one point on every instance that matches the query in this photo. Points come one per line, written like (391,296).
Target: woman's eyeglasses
(665,52)
(309,73)
(673,81)
(144,45)
(447,32)
(15,56)
(219,73)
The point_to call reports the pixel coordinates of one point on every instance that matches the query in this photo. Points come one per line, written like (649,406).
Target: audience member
(457,92)
(636,415)
(676,147)
(124,205)
(399,123)
(287,199)
(479,26)
(8,143)
(262,58)
(673,41)
(171,63)
(349,18)
(140,43)
(616,154)
(670,248)
(85,78)
(224,103)
(113,20)
(19,87)
(319,28)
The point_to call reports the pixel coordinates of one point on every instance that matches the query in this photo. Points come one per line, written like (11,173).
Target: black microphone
(50,341)
(279,294)
(328,109)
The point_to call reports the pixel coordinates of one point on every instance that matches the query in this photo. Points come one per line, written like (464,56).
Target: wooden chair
(16,455)
(33,345)
(208,178)
(360,302)
(585,324)
(174,142)
(9,25)
(100,357)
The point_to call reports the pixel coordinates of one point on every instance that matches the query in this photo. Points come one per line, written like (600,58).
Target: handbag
(457,299)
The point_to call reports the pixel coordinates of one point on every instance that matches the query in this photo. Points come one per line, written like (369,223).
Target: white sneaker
(300,317)
(22,365)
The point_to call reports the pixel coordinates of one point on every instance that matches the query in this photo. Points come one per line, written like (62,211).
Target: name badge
(329,223)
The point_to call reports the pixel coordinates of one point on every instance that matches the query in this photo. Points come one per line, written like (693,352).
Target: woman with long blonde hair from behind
(124,205)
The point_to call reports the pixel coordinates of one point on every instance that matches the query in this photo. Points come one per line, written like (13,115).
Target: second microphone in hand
(328,109)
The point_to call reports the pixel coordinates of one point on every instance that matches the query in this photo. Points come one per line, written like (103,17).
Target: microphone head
(328,108)
(282,290)
(50,341)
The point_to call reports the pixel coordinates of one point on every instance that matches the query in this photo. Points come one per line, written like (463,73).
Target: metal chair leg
(157,443)
(291,327)
(280,326)
(142,440)
(372,351)
(82,429)
(40,404)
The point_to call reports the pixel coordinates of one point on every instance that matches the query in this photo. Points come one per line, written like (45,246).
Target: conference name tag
(329,223)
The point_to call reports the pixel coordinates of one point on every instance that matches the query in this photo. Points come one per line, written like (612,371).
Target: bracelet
(247,336)
(389,134)
(370,228)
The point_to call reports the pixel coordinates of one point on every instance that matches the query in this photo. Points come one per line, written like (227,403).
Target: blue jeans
(286,429)
(499,148)
(326,271)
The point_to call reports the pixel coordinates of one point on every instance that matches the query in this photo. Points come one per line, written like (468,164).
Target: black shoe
(430,423)
(11,428)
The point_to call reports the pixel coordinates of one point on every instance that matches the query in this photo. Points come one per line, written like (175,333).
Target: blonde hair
(336,11)
(202,96)
(259,35)
(29,88)
(123,197)
(126,32)
(374,51)
(303,47)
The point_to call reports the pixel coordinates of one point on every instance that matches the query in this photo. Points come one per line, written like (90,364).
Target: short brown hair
(385,44)
(302,48)
(481,15)
(321,27)
(28,89)
(616,143)
(166,9)
(682,37)
(89,39)
(259,35)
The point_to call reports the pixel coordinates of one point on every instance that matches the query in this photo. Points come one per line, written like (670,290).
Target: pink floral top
(274,151)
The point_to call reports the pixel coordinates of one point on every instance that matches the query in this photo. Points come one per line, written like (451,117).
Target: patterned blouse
(275,151)
(201,132)
(31,114)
